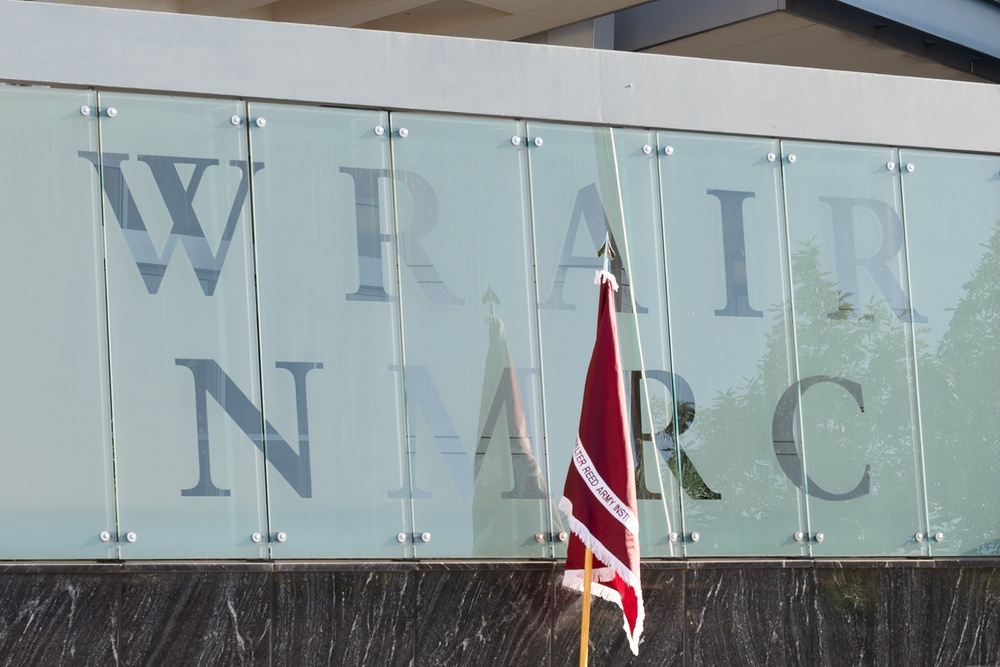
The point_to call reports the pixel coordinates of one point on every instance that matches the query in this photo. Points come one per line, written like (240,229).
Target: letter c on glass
(786,449)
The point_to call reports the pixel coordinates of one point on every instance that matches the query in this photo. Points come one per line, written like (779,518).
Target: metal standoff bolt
(563,536)
(647,149)
(403,132)
(282,537)
(910,167)
(401,537)
(236,120)
(938,537)
(673,537)
(261,122)
(105,536)
(771,157)
(799,535)
(919,537)
(820,537)
(425,537)
(539,537)
(84,111)
(891,166)
(695,537)
(538,141)
(112,112)
(379,130)
(256,537)
(131,537)
(669,150)
(516,141)
(792,158)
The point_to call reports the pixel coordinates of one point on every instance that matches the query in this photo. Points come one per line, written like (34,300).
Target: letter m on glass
(177,180)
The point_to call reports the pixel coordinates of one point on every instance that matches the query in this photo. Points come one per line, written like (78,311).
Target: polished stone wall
(796,612)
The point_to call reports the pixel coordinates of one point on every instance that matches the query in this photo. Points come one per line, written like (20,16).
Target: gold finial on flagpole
(606,251)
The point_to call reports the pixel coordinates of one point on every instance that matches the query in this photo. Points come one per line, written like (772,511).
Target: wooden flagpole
(585,622)
(588,557)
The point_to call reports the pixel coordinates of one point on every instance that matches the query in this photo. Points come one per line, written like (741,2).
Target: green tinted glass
(730,333)
(329,333)
(470,347)
(952,213)
(56,490)
(848,431)
(183,328)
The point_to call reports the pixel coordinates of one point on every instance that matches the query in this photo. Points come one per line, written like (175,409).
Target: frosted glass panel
(183,328)
(470,348)
(578,195)
(329,332)
(56,490)
(856,451)
(651,405)
(952,213)
(731,341)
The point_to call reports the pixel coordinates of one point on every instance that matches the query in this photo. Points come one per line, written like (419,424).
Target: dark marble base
(59,619)
(761,615)
(343,618)
(494,617)
(662,640)
(908,612)
(196,618)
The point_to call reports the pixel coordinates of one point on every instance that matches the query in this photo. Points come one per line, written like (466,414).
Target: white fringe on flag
(606,275)
(574,578)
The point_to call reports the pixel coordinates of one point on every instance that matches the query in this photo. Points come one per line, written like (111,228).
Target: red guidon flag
(599,496)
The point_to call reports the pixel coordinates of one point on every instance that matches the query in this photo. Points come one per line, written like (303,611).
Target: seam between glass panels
(675,413)
(409,549)
(107,326)
(554,517)
(792,329)
(551,512)
(911,350)
(627,266)
(252,225)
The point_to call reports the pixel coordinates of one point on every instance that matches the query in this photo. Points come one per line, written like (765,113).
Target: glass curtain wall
(257,330)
